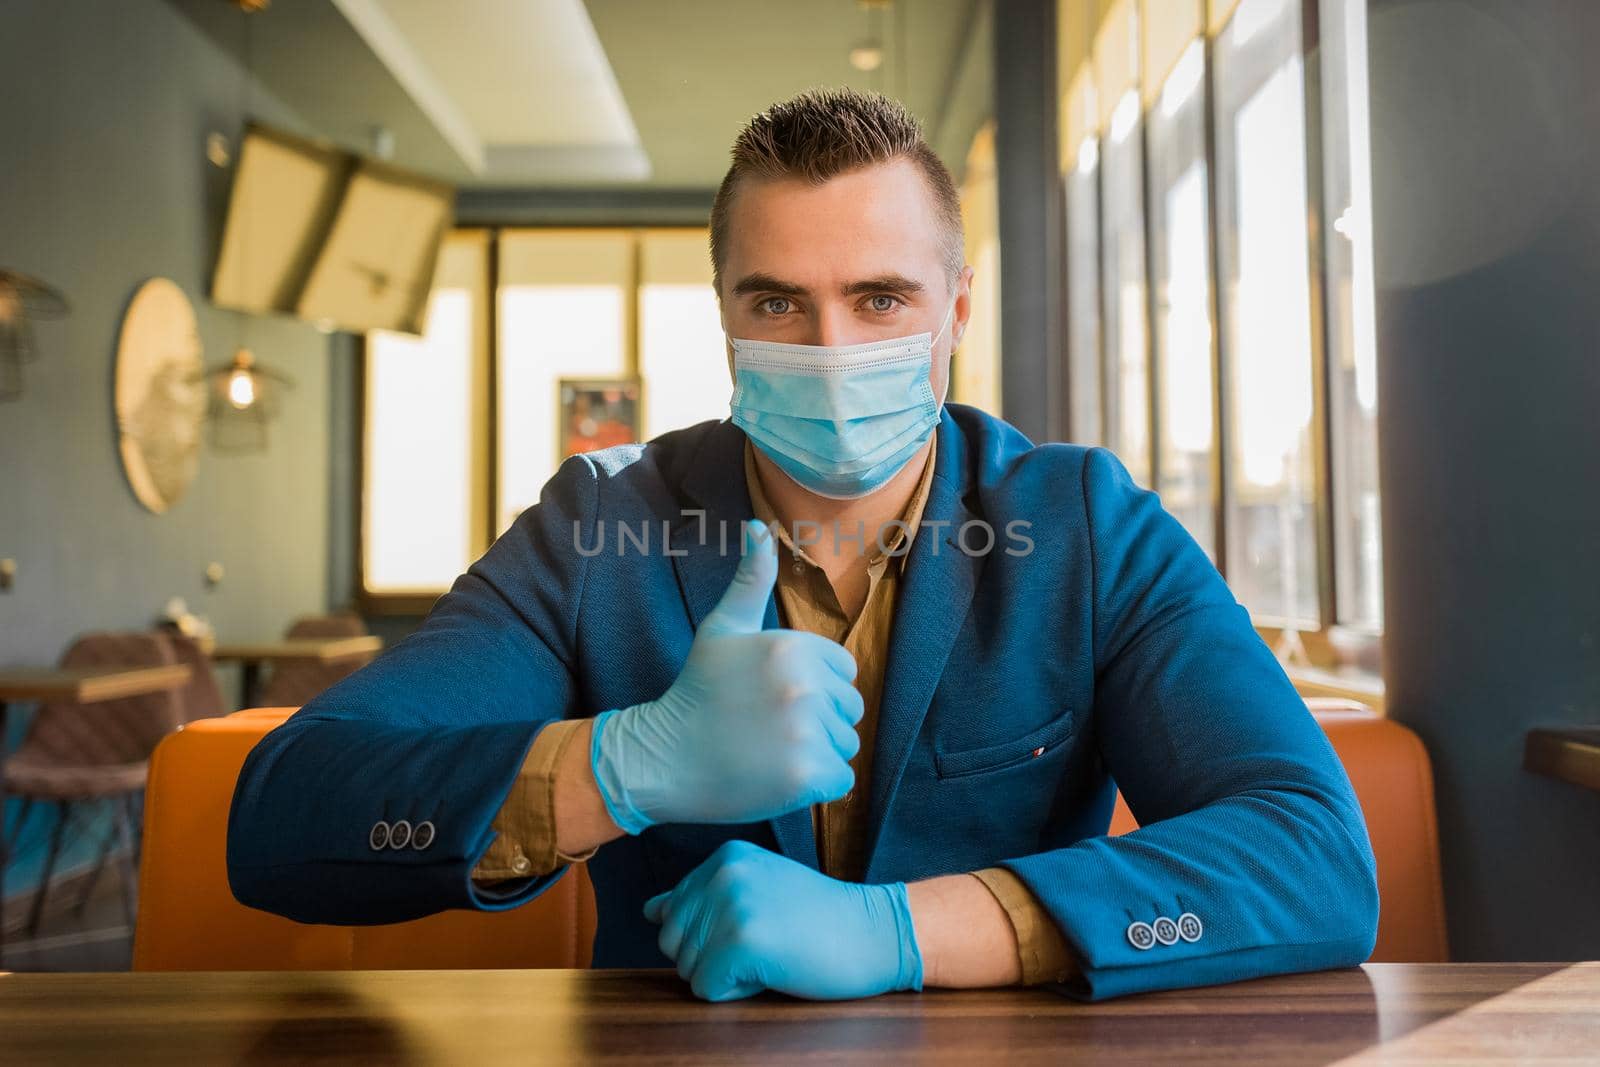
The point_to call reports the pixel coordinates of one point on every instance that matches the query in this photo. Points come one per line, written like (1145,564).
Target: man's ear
(963,306)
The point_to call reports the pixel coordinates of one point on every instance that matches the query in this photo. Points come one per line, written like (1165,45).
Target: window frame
(1258,66)
(1111,334)
(1156,230)
(1080,289)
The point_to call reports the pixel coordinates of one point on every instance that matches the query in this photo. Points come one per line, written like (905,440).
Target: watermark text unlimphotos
(975,537)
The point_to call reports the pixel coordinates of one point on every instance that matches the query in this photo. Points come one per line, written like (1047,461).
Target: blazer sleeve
(1252,845)
(435,730)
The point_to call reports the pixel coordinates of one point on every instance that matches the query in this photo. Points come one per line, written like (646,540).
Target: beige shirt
(808,601)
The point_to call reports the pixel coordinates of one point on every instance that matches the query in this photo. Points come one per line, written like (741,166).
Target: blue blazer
(1023,686)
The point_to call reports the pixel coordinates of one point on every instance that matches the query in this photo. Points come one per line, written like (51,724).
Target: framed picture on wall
(594,413)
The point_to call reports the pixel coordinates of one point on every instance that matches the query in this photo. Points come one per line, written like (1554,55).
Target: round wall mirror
(160,394)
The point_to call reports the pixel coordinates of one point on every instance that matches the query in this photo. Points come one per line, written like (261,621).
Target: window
(629,306)
(975,366)
(565,312)
(1264,260)
(1081,189)
(1252,409)
(1083,294)
(1352,331)
(1180,274)
(421,513)
(1123,313)
(681,350)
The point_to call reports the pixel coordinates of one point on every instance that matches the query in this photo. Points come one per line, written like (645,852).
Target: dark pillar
(1486,122)
(1026,165)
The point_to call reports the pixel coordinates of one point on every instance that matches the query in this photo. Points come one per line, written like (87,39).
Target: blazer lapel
(936,590)
(705,538)
(705,550)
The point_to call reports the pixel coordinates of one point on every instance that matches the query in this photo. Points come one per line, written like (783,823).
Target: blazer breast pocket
(1025,749)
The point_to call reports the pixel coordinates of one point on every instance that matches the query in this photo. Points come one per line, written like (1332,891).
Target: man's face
(858,258)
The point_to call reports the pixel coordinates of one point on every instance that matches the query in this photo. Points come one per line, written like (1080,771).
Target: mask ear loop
(949,315)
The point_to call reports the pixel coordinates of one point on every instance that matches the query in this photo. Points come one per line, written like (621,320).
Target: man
(875,751)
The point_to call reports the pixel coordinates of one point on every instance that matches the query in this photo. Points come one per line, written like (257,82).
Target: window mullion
(1321,422)
(1220,468)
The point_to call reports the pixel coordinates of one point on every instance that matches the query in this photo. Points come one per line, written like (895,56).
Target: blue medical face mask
(840,421)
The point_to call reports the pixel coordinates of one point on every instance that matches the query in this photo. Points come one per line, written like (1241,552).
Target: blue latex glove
(758,723)
(747,919)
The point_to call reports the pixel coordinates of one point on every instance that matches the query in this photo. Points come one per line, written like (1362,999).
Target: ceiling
(565,93)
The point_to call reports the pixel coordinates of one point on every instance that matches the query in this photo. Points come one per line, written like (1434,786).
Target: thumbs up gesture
(758,723)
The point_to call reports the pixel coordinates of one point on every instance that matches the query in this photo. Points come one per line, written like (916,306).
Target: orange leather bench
(1393,780)
(189,920)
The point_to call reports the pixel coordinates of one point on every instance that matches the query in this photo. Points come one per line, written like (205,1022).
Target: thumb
(743,608)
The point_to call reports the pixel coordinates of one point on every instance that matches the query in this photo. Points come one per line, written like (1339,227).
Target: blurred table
(88,686)
(1416,1013)
(1570,753)
(250,656)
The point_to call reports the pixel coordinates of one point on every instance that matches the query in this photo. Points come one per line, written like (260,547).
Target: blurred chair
(1393,781)
(190,921)
(75,752)
(294,683)
(201,698)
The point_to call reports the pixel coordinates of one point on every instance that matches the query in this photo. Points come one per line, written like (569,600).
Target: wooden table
(251,655)
(1380,1013)
(1571,753)
(90,686)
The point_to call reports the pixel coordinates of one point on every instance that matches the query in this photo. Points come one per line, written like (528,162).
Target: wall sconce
(22,298)
(243,400)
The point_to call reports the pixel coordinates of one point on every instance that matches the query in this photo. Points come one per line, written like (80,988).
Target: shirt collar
(897,545)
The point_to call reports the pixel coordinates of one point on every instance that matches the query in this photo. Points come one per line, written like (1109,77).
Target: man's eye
(776,305)
(883,303)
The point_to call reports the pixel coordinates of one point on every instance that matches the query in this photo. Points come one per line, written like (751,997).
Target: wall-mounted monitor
(317,232)
(376,266)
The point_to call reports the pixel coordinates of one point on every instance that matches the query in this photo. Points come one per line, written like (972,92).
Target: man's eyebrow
(892,283)
(760,282)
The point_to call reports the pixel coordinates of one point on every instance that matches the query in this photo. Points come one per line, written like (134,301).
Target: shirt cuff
(1040,946)
(525,845)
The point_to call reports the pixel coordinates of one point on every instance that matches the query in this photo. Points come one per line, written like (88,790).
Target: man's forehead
(875,221)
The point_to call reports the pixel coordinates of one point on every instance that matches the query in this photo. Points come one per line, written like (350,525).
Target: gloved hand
(747,919)
(758,723)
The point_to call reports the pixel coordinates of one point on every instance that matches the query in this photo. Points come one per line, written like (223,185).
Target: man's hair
(826,132)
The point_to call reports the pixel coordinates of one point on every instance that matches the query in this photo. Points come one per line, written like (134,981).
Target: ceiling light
(867,56)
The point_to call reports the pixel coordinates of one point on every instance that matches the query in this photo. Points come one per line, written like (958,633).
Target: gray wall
(104,183)
(1486,147)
